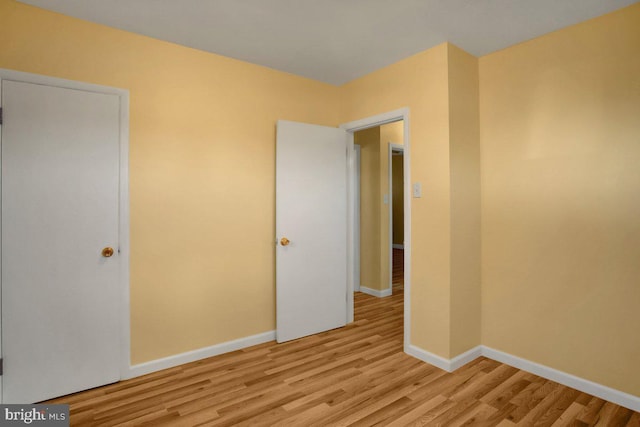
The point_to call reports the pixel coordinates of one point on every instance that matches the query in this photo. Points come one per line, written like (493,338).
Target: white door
(311,229)
(60,294)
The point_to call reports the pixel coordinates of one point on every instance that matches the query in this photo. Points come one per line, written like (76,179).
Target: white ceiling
(335,41)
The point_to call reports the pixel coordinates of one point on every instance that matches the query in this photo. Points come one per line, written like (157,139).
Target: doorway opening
(379,206)
(396,216)
(372,257)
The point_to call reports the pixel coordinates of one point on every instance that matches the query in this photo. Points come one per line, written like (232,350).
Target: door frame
(351,127)
(356,219)
(123,190)
(392,148)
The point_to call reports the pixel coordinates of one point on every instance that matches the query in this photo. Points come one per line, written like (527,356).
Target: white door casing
(366,123)
(356,220)
(311,212)
(65,307)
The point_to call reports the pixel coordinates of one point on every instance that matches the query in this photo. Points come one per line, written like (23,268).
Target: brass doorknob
(107,252)
(284,241)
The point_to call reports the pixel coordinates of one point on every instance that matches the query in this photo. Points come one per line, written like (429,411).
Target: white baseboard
(203,353)
(468,356)
(375,292)
(397,246)
(615,396)
(448,365)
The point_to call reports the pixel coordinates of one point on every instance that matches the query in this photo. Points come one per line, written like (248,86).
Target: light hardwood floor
(357,375)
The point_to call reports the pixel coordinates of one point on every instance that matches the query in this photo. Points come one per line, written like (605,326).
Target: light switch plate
(417,190)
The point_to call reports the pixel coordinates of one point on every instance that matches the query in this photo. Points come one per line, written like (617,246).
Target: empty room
(201,221)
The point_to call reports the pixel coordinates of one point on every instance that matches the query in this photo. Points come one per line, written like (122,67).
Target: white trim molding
(603,392)
(375,292)
(356,218)
(615,396)
(203,353)
(378,120)
(448,365)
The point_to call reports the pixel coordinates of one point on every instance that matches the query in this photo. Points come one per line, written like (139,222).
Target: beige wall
(370,201)
(464,146)
(560,138)
(202,155)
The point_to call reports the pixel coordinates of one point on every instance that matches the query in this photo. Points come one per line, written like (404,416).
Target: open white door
(60,237)
(311,229)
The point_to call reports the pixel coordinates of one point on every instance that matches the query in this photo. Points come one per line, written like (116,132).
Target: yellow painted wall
(464,142)
(420,83)
(202,155)
(370,201)
(560,140)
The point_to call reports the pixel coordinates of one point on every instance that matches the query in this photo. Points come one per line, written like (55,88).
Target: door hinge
(1,370)
(0,122)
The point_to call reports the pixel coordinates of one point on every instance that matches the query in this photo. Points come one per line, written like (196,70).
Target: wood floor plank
(417,412)
(354,376)
(589,415)
(543,405)
(456,412)
(613,415)
(502,393)
(478,388)
(479,415)
(558,407)
(502,414)
(528,399)
(426,419)
(568,417)
(634,420)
